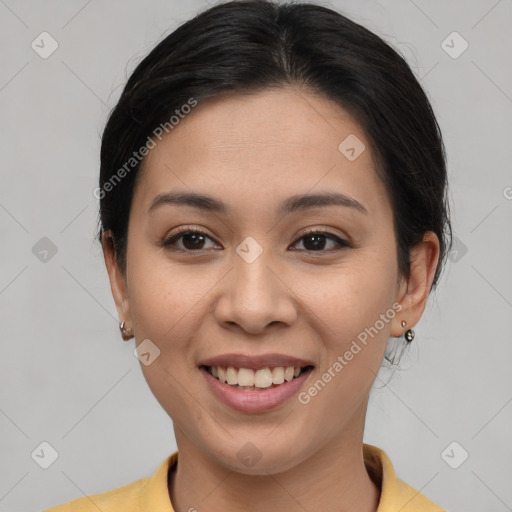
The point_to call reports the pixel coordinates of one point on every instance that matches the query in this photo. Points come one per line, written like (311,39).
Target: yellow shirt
(151,494)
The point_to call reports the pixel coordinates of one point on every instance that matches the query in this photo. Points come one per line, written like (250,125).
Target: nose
(254,296)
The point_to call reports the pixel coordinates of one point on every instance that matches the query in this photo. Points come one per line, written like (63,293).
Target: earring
(409,334)
(126,334)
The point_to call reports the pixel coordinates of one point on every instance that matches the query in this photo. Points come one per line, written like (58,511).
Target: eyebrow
(291,205)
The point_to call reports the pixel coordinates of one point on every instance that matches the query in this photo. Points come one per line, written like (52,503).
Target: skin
(252,152)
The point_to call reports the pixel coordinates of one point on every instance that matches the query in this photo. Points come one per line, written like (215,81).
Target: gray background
(68,379)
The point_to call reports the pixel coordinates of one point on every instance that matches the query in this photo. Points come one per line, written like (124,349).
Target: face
(254,282)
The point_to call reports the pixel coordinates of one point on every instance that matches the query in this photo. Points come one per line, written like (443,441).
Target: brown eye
(192,240)
(195,240)
(315,241)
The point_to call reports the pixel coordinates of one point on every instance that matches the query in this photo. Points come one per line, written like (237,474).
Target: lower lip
(255,401)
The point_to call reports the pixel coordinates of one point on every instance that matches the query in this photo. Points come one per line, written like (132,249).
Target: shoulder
(149,493)
(126,498)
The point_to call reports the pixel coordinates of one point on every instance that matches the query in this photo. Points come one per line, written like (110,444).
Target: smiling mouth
(250,380)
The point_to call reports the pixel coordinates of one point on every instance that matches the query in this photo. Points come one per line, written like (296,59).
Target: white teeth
(248,378)
(245,377)
(263,378)
(278,375)
(288,373)
(231,377)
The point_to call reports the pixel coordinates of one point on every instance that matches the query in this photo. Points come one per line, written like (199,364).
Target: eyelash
(167,243)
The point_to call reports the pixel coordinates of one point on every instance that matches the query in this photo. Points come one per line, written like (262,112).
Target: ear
(413,293)
(116,277)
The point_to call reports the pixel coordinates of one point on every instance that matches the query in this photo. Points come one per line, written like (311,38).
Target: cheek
(164,296)
(165,307)
(350,297)
(351,308)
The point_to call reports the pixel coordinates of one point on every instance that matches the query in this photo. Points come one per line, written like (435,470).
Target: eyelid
(340,240)
(322,231)
(168,240)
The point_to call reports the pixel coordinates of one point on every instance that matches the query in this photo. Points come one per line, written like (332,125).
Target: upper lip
(255,362)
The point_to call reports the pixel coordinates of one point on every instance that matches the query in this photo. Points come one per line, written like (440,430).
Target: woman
(273,208)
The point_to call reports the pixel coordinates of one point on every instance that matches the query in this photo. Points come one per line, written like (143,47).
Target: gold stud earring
(126,334)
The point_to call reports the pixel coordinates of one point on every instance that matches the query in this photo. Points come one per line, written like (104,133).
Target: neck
(334,477)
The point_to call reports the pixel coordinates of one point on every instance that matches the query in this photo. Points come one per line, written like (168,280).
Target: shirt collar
(155,495)
(395,494)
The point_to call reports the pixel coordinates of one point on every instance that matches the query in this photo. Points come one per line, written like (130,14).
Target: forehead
(263,146)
